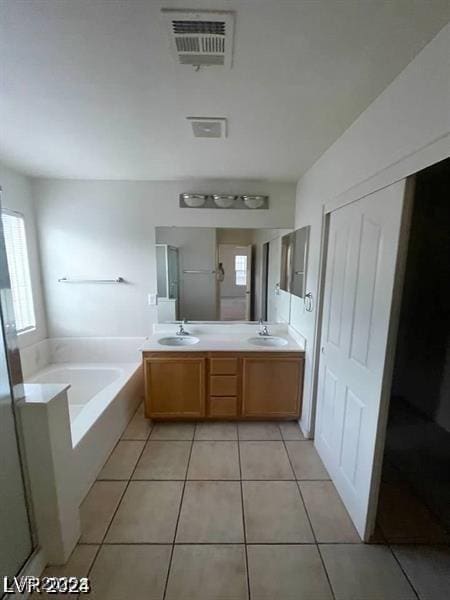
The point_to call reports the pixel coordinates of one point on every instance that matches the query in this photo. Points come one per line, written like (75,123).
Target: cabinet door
(272,387)
(175,387)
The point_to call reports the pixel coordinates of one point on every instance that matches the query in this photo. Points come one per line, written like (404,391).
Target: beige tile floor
(235,511)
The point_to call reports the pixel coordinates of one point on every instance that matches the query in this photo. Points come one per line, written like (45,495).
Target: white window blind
(19,270)
(240,267)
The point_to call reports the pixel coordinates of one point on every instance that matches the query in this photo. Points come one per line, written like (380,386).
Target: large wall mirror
(294,259)
(219,274)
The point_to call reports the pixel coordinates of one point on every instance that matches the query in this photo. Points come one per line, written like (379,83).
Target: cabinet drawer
(224,406)
(223,366)
(223,385)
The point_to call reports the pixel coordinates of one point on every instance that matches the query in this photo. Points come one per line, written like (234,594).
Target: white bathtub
(86,382)
(101,400)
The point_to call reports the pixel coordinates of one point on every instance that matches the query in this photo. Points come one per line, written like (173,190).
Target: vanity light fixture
(254,201)
(194,200)
(224,200)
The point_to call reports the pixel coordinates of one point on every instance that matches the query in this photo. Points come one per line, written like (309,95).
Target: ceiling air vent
(208,127)
(201,38)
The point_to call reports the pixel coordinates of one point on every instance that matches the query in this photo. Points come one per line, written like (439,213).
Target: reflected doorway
(234,276)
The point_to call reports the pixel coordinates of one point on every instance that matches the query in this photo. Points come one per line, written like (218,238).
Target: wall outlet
(152,299)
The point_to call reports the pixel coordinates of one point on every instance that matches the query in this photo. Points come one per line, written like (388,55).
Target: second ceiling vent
(201,38)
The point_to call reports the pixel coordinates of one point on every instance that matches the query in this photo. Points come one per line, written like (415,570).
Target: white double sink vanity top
(221,337)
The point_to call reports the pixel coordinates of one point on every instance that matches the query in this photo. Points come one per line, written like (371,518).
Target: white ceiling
(90,90)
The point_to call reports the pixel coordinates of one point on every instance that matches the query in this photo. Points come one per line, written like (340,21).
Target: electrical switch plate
(152,299)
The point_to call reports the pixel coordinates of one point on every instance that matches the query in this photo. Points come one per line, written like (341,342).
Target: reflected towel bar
(67,280)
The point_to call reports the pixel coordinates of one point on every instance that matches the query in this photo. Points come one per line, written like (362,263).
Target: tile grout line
(169,567)
(325,571)
(309,519)
(403,571)
(243,516)
(313,543)
(122,495)
(261,480)
(217,543)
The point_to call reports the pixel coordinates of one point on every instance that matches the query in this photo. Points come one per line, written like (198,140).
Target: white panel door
(361,263)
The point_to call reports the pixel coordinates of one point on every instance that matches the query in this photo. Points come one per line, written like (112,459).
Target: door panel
(271,387)
(361,263)
(328,407)
(365,290)
(336,290)
(175,387)
(353,412)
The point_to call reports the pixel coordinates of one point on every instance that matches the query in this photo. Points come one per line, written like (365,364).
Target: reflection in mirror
(287,257)
(167,281)
(219,274)
(294,255)
(298,285)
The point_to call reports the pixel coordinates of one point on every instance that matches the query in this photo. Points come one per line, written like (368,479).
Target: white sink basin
(270,340)
(188,340)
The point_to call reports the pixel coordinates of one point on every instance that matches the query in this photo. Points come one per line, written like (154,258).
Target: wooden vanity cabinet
(174,385)
(271,386)
(223,385)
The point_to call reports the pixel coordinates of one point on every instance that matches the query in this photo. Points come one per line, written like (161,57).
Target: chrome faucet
(181,329)
(263,329)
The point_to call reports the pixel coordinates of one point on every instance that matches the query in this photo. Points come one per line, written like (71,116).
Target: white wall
(411,114)
(106,229)
(239,237)
(17,195)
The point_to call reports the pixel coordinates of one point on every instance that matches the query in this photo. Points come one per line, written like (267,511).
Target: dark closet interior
(414,502)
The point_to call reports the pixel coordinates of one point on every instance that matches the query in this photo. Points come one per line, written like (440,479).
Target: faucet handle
(181,329)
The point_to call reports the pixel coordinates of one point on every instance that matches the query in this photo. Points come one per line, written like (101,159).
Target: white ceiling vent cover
(208,127)
(201,38)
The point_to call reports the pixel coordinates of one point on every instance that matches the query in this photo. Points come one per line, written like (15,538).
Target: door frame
(264,280)
(394,318)
(249,288)
(8,338)
(407,166)
(422,157)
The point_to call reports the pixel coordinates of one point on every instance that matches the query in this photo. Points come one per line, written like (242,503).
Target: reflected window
(19,270)
(240,267)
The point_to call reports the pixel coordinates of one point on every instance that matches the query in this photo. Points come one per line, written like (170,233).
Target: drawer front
(224,406)
(223,366)
(223,385)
